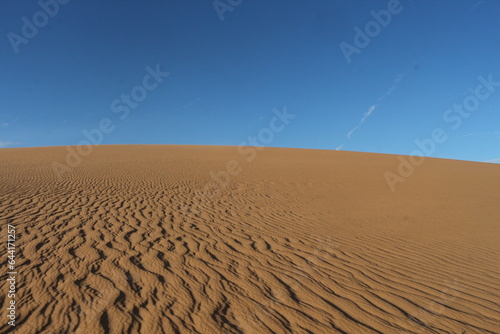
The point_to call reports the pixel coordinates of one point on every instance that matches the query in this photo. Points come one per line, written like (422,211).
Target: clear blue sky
(226,76)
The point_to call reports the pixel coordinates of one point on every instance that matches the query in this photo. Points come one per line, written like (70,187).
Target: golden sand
(142,239)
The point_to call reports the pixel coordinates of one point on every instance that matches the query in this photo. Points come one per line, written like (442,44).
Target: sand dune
(132,240)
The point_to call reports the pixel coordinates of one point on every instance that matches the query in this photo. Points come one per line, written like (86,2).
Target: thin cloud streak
(393,88)
(365,116)
(497,160)
(477,5)
(5,143)
(372,108)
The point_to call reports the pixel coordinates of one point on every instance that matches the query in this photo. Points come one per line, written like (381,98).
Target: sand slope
(301,241)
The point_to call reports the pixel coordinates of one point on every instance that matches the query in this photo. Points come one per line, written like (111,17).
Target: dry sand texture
(301,241)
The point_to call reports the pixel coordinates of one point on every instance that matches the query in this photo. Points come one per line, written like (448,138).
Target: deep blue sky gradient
(227,76)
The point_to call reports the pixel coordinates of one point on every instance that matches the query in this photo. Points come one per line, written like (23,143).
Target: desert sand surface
(138,239)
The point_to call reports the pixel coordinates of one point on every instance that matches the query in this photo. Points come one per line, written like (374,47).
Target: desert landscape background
(300,241)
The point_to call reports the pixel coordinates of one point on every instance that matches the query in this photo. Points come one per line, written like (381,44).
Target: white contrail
(365,116)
